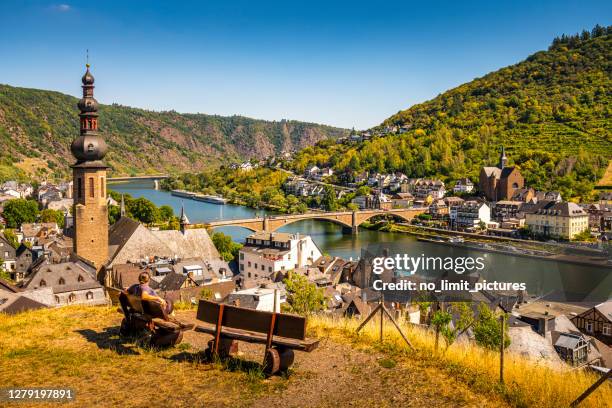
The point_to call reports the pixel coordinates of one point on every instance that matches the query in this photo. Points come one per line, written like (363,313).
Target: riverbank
(515,247)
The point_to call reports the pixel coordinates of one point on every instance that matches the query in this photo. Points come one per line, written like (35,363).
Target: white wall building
(469,214)
(266,253)
(258,299)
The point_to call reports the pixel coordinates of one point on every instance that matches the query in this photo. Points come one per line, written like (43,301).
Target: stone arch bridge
(348,219)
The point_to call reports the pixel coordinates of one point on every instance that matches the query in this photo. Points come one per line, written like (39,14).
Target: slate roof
(562,209)
(8,287)
(17,304)
(172,281)
(568,340)
(74,277)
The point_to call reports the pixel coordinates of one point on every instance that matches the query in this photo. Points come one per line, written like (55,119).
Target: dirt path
(337,375)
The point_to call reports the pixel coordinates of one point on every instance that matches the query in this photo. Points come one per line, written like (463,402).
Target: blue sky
(343,63)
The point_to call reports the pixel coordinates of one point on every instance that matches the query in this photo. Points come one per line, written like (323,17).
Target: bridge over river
(348,219)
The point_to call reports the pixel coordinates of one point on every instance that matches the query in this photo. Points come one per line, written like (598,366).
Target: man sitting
(145,292)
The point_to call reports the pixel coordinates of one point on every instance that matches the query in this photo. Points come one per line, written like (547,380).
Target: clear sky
(344,63)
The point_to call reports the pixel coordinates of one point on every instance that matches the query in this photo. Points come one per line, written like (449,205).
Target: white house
(470,214)
(266,253)
(258,298)
(464,185)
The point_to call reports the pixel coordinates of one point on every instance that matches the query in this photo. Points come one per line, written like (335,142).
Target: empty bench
(150,315)
(281,333)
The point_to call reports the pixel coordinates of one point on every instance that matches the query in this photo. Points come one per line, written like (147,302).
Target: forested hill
(37,127)
(551,112)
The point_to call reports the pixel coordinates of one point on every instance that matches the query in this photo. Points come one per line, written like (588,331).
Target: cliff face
(37,127)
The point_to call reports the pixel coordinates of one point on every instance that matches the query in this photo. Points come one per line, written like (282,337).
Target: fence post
(382,306)
(501,349)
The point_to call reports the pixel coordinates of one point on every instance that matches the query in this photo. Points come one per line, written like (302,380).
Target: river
(587,282)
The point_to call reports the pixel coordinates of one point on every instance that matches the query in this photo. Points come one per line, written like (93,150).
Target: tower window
(91,187)
(102,187)
(79,187)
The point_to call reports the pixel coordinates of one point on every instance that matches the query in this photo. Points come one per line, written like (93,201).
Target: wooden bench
(150,315)
(281,333)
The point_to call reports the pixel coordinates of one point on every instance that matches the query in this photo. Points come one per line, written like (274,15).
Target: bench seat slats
(254,337)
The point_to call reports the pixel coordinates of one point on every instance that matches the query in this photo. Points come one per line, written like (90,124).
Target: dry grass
(527,383)
(79,347)
(606,180)
(74,347)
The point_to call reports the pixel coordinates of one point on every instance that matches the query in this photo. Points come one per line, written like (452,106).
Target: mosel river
(575,282)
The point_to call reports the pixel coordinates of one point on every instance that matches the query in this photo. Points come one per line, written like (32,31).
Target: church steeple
(503,160)
(90,210)
(88,146)
(184,221)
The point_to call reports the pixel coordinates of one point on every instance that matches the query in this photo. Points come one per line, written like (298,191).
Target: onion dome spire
(88,146)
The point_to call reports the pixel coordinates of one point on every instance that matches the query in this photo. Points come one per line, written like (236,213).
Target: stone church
(500,183)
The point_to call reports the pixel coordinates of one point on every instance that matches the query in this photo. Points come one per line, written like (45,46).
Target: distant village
(89,262)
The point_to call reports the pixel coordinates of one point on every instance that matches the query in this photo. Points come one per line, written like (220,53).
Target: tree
(441,321)
(487,329)
(227,248)
(166,213)
(303,297)
(329,202)
(143,210)
(19,211)
(49,215)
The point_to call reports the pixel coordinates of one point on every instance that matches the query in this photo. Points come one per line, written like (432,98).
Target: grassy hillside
(79,347)
(551,112)
(37,127)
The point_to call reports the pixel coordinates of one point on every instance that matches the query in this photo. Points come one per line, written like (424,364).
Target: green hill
(551,112)
(37,127)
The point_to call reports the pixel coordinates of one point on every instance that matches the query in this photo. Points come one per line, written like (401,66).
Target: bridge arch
(400,215)
(275,224)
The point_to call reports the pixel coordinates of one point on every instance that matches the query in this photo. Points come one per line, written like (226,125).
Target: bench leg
(227,347)
(287,357)
(166,339)
(272,361)
(132,326)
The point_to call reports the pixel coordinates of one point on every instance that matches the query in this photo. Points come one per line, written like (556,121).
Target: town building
(470,214)
(7,255)
(402,200)
(463,186)
(71,282)
(423,188)
(558,220)
(506,210)
(266,253)
(438,208)
(501,182)
(596,322)
(258,298)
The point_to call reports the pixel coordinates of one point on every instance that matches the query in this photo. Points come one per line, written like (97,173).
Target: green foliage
(143,210)
(11,237)
(442,319)
(329,199)
(487,329)
(19,211)
(303,297)
(552,113)
(136,141)
(227,248)
(49,215)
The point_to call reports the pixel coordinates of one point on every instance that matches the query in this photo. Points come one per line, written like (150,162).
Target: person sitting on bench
(145,292)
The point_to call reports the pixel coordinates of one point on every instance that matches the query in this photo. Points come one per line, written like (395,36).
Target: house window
(249,264)
(57,299)
(263,268)
(80,279)
(42,283)
(71,298)
(61,281)
(607,330)
(242,267)
(589,327)
(89,295)
(241,256)
(91,187)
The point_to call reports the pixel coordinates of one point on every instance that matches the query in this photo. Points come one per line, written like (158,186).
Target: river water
(541,276)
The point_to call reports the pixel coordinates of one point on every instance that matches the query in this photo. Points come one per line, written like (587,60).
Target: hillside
(79,347)
(551,112)
(37,127)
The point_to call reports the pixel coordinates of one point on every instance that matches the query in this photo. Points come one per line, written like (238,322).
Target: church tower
(90,210)
(503,160)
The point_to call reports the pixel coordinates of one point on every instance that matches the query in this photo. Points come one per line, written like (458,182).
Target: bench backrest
(286,325)
(134,304)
